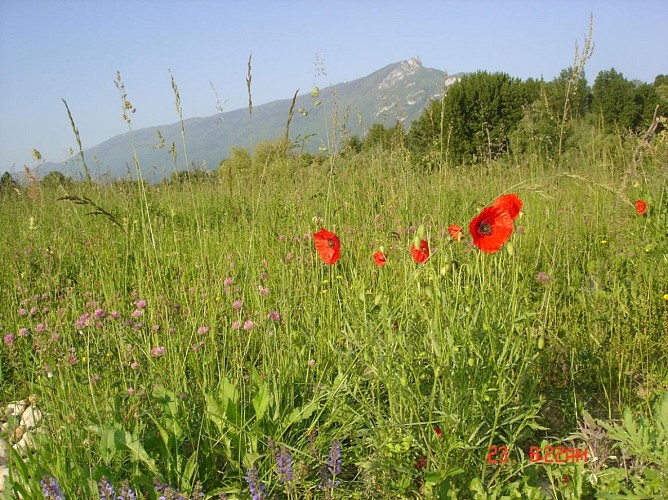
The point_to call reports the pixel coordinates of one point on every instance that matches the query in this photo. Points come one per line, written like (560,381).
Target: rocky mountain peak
(400,71)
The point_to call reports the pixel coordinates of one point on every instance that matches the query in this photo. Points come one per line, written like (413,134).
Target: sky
(52,50)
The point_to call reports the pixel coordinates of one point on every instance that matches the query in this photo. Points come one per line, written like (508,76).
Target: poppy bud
(420,233)
(541,342)
(378,299)
(510,248)
(416,241)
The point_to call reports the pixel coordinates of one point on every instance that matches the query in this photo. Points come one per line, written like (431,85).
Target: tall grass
(200,336)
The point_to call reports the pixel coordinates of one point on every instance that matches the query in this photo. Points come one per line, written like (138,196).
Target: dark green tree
(553,109)
(647,97)
(57,179)
(425,138)
(568,97)
(353,145)
(474,121)
(384,138)
(8,184)
(661,85)
(614,101)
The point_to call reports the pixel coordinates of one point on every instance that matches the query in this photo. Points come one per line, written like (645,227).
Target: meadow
(185,340)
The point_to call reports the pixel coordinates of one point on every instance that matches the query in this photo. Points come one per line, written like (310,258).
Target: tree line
(487,115)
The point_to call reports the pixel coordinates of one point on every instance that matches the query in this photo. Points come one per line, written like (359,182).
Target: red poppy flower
(421,462)
(380,259)
(439,432)
(510,203)
(641,207)
(455,231)
(328,246)
(420,255)
(491,229)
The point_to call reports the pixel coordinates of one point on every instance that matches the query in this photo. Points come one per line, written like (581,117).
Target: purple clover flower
(158,351)
(99,313)
(106,489)
(51,489)
(83,321)
(166,491)
(141,304)
(274,316)
(334,464)
(237,304)
(255,486)
(249,325)
(125,492)
(9,338)
(72,357)
(284,465)
(329,481)
(202,330)
(24,332)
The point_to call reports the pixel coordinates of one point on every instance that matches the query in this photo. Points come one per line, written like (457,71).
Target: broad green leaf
(188,475)
(137,450)
(216,412)
(302,413)
(261,401)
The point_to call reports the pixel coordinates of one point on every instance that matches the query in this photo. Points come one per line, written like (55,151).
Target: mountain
(397,92)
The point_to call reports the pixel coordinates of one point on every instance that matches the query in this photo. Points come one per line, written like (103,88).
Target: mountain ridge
(397,92)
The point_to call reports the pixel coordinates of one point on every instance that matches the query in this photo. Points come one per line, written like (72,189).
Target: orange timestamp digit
(557,455)
(493,451)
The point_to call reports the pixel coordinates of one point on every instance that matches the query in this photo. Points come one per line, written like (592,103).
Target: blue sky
(72,49)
